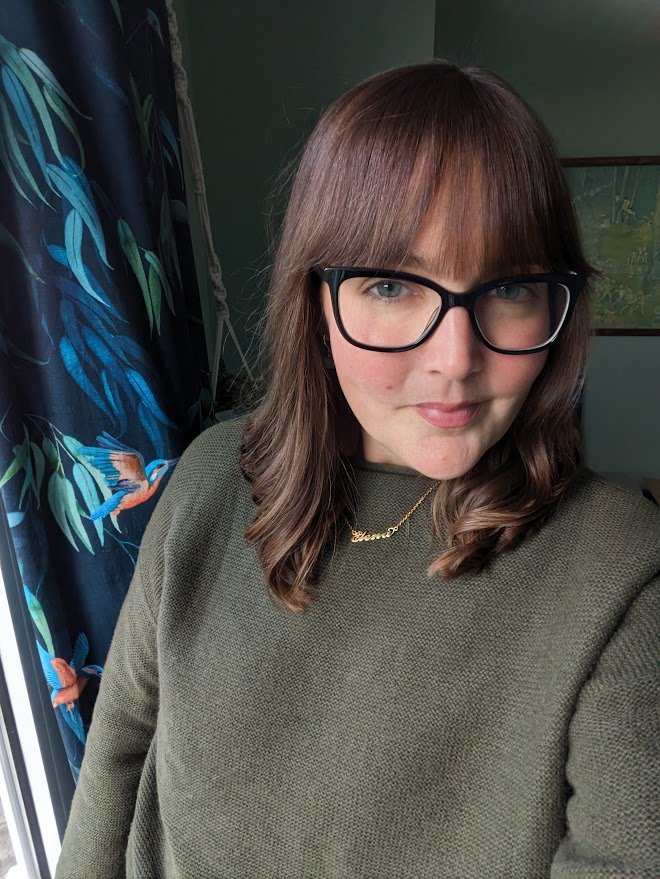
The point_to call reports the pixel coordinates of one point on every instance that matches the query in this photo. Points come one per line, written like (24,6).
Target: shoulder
(591,560)
(206,476)
(205,488)
(602,544)
(612,514)
(218,446)
(210,460)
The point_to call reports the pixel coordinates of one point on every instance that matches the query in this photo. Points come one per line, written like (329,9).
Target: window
(26,810)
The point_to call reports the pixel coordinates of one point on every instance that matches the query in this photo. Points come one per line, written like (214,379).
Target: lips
(459,415)
(445,407)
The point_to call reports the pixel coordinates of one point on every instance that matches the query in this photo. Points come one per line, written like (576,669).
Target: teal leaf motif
(90,316)
(75,369)
(168,132)
(74,291)
(129,350)
(43,323)
(27,80)
(155,295)
(51,453)
(157,265)
(39,619)
(47,76)
(40,466)
(16,464)
(89,494)
(4,158)
(74,169)
(11,143)
(147,397)
(167,243)
(59,108)
(58,505)
(117,11)
(109,395)
(27,480)
(73,510)
(8,240)
(141,117)
(98,347)
(152,18)
(132,252)
(149,425)
(147,110)
(19,101)
(67,184)
(75,447)
(59,254)
(73,229)
(95,349)
(70,321)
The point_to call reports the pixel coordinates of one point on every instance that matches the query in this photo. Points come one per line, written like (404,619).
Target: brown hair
(367,176)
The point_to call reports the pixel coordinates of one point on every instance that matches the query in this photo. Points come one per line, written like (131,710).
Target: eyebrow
(418,263)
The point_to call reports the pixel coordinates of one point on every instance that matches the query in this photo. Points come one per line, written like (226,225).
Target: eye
(512,292)
(387,289)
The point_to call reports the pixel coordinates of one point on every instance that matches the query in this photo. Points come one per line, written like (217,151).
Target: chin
(442,474)
(434,467)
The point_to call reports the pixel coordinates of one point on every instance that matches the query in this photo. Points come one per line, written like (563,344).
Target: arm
(613,765)
(126,708)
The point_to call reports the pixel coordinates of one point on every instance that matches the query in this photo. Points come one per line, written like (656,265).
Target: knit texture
(502,725)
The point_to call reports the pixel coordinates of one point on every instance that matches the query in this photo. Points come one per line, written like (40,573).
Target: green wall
(260,74)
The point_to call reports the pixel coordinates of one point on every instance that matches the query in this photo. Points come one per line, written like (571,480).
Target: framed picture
(617,200)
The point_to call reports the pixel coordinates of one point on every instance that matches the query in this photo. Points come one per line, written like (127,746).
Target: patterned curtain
(104,375)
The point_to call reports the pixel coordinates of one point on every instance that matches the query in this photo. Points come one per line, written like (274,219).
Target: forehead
(450,245)
(443,254)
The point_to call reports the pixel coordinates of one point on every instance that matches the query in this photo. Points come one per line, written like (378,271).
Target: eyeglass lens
(393,313)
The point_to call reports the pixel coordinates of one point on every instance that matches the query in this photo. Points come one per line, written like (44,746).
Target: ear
(321,329)
(326,352)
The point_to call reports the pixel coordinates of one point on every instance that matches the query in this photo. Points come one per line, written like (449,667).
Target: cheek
(515,379)
(359,371)
(369,372)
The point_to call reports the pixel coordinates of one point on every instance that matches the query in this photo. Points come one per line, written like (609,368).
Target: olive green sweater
(502,725)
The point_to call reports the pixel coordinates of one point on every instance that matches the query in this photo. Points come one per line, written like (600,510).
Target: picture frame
(617,200)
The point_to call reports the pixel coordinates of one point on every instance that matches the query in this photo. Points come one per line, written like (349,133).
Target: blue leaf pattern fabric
(103,370)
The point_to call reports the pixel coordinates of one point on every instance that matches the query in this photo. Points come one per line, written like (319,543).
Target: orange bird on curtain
(124,470)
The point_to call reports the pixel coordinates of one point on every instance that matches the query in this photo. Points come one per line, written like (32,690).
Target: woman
(389,624)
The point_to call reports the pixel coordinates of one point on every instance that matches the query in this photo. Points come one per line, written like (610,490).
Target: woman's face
(385,390)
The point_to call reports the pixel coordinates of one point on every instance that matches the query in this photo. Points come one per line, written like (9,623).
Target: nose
(453,347)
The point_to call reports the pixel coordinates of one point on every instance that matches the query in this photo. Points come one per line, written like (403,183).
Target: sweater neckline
(398,469)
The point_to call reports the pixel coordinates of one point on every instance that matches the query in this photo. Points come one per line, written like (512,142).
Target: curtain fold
(104,374)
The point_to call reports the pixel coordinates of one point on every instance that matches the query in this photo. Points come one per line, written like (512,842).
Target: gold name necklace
(359,536)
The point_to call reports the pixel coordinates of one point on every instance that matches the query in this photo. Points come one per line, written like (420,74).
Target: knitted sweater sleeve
(126,708)
(613,764)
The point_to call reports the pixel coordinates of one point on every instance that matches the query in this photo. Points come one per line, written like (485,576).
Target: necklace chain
(360,536)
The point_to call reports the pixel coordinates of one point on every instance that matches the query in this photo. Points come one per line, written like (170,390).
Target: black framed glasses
(382,310)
